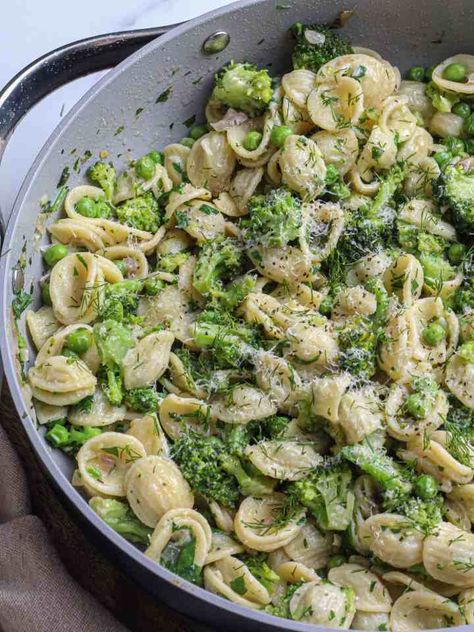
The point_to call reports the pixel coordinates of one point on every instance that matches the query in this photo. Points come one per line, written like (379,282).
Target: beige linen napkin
(36,592)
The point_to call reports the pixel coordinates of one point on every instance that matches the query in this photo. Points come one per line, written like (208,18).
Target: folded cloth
(36,592)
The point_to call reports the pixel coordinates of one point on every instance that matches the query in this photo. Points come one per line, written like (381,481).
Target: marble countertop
(29,29)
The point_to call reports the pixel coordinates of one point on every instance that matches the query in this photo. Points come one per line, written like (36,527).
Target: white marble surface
(30,28)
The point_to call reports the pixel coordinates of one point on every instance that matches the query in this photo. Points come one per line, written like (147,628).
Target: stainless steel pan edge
(436,30)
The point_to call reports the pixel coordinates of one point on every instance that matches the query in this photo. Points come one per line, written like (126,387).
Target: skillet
(162,80)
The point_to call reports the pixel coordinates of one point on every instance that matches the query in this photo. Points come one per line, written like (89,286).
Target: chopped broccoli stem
(121,519)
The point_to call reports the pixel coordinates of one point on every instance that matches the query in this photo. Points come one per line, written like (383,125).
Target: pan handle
(62,65)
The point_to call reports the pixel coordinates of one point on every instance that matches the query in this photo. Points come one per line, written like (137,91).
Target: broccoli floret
(236,292)
(282,607)
(437,269)
(199,459)
(358,344)
(414,240)
(121,518)
(216,260)
(382,468)
(257,565)
(120,301)
(455,188)
(141,212)
(316,45)
(378,289)
(336,188)
(459,426)
(244,87)
(113,340)
(178,557)
(103,174)
(274,219)
(463,300)
(143,400)
(67,437)
(229,340)
(239,436)
(420,402)
(251,481)
(172,261)
(327,494)
(425,516)
(441,100)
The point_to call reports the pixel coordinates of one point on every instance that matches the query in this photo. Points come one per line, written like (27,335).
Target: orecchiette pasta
(323,604)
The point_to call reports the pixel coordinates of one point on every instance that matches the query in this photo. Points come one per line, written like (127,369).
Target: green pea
(455,72)
(429,73)
(120,263)
(456,254)
(187,141)
(469,125)
(145,167)
(54,254)
(417,405)
(442,158)
(156,156)
(279,134)
(336,560)
(45,295)
(461,109)
(454,144)
(86,207)
(433,334)
(416,73)
(58,435)
(325,307)
(79,341)
(426,487)
(252,140)
(197,131)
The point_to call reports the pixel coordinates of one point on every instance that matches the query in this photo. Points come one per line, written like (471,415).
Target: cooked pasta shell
(171,308)
(211,162)
(220,576)
(101,413)
(424,610)
(333,105)
(310,547)
(242,405)
(370,594)
(283,459)
(148,431)
(466,87)
(153,486)
(393,539)
(146,362)
(180,414)
(338,148)
(60,381)
(222,545)
(323,604)
(460,380)
(42,324)
(302,166)
(448,555)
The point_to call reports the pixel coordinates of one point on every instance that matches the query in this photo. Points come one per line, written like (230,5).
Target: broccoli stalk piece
(121,519)
(358,344)
(326,492)
(199,458)
(274,219)
(376,286)
(113,340)
(316,45)
(243,87)
(216,260)
(103,174)
(228,342)
(236,292)
(69,438)
(143,400)
(254,484)
(382,468)
(141,212)
(455,188)
(120,300)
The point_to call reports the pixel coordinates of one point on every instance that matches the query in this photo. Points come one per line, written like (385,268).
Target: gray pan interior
(121,115)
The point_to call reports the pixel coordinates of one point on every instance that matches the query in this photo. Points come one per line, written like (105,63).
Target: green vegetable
(443,158)
(187,142)
(121,265)
(54,254)
(456,253)
(79,340)
(274,220)
(45,294)
(145,167)
(316,45)
(120,301)
(251,482)
(279,134)
(243,87)
(113,340)
(58,435)
(141,212)
(229,343)
(455,72)
(336,560)
(420,402)
(441,101)
(358,343)
(327,494)
(426,487)
(86,206)
(429,73)
(120,518)
(437,269)
(416,73)
(425,516)
(197,131)
(216,260)
(389,474)
(103,175)
(236,292)
(156,156)
(433,334)
(257,565)
(336,188)
(466,351)
(252,140)
(21,301)
(144,399)
(461,109)
(455,145)
(153,286)
(67,437)
(469,125)
(178,557)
